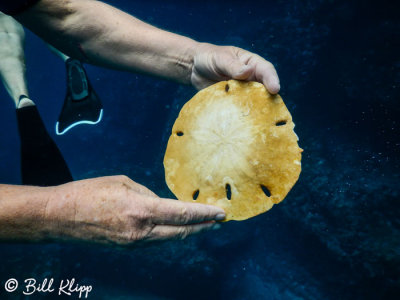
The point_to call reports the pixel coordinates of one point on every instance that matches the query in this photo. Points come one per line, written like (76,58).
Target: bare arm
(109,210)
(22,211)
(103,35)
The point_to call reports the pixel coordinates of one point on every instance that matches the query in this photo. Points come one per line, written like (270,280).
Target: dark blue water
(336,235)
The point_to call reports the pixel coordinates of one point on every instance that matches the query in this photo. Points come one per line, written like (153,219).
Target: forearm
(105,36)
(23,213)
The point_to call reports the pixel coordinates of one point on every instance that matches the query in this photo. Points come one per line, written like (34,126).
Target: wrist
(60,212)
(183,61)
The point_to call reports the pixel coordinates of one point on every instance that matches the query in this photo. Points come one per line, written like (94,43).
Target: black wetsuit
(13,7)
(42,163)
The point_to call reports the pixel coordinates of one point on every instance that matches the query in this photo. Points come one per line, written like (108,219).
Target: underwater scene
(336,235)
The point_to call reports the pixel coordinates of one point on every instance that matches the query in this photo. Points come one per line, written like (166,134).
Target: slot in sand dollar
(233,146)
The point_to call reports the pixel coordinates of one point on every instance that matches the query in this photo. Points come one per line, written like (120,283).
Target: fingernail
(220,217)
(216,226)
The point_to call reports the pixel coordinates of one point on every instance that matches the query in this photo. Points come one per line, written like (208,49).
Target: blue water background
(336,235)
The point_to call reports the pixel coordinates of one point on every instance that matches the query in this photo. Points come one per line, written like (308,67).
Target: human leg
(12,59)
(41,161)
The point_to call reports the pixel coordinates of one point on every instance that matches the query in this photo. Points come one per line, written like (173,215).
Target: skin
(115,210)
(120,41)
(110,210)
(12,58)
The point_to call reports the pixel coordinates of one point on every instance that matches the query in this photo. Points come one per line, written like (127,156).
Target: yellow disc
(233,146)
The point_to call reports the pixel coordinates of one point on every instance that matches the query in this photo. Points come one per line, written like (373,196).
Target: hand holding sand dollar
(233,146)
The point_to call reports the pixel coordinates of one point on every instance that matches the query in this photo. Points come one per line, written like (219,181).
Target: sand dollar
(233,146)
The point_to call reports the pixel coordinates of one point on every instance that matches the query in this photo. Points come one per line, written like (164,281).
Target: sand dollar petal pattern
(233,145)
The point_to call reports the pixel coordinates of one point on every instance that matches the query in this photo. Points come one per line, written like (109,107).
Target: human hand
(117,210)
(215,63)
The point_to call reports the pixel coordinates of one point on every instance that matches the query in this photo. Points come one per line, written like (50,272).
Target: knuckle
(151,210)
(126,239)
(269,65)
(121,183)
(122,178)
(182,233)
(133,236)
(233,49)
(186,216)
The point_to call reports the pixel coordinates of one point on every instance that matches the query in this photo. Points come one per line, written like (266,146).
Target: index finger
(174,212)
(266,73)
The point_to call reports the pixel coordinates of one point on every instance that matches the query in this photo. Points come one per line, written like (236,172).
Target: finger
(173,212)
(244,73)
(240,71)
(168,232)
(234,68)
(266,73)
(272,84)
